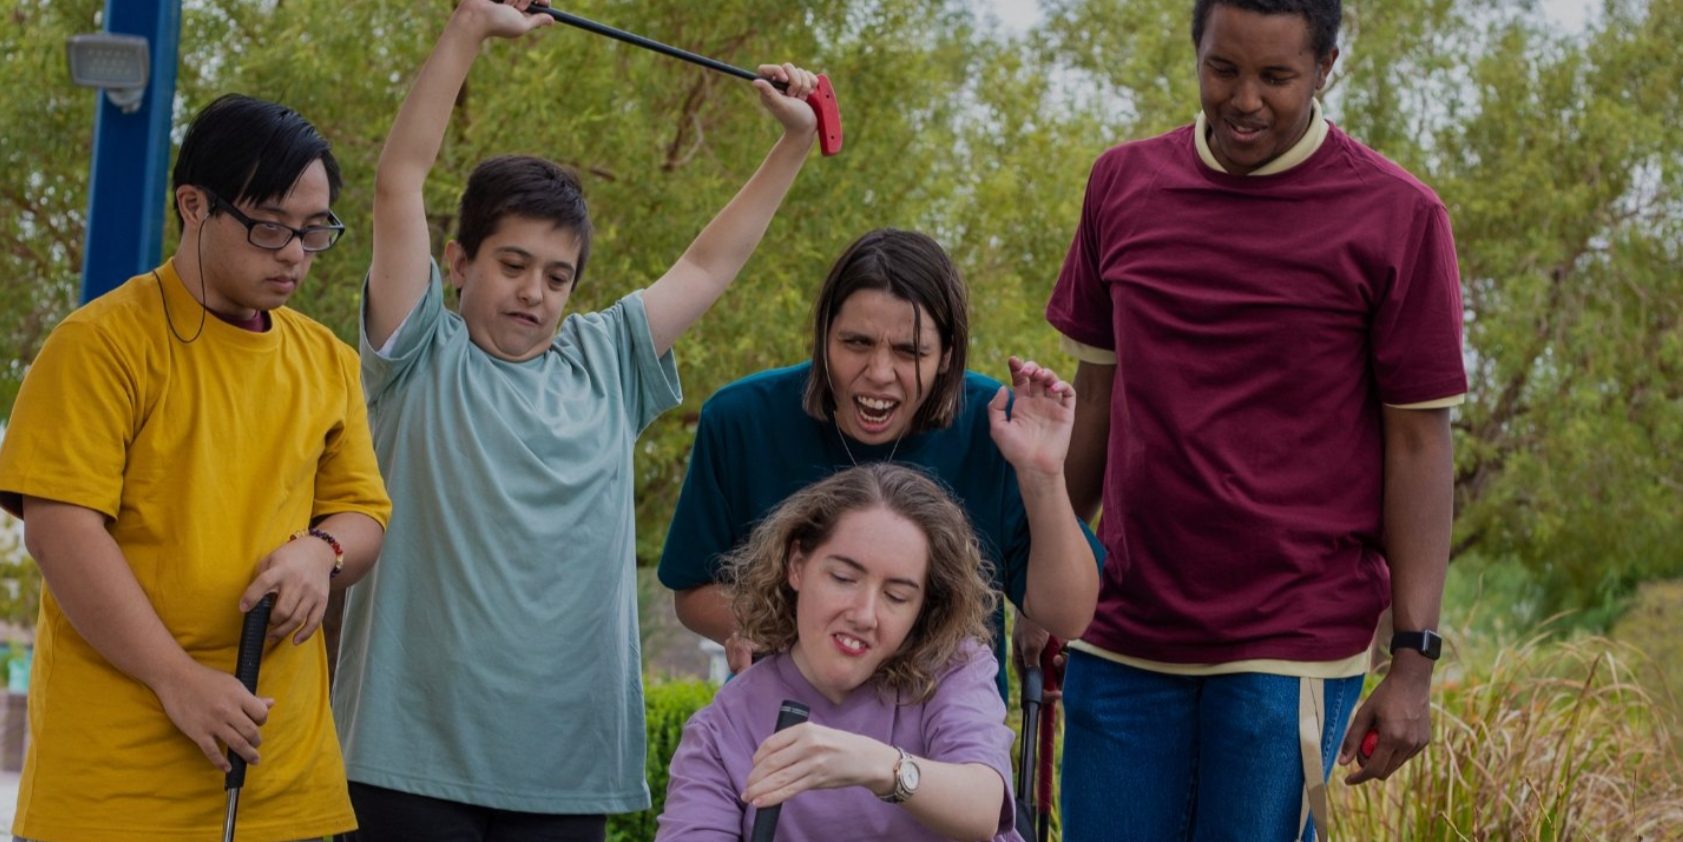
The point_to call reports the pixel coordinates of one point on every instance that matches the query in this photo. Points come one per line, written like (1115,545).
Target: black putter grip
(790,713)
(245,669)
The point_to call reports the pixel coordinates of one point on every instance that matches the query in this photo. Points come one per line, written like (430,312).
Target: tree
(1558,157)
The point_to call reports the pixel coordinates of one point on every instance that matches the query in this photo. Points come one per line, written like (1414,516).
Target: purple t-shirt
(1259,323)
(964,722)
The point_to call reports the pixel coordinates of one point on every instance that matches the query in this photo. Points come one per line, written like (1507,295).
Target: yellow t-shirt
(204,457)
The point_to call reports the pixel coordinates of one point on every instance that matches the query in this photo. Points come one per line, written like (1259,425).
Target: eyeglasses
(275,236)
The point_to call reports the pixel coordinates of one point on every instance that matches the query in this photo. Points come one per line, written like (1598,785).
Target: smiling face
(1257,78)
(514,291)
(240,278)
(881,367)
(857,597)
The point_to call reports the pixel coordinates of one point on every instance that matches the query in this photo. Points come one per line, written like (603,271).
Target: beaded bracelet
(338,551)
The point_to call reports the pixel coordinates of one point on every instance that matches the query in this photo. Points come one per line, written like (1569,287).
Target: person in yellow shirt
(182,446)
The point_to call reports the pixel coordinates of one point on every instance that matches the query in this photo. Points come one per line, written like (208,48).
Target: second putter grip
(789,714)
(247,662)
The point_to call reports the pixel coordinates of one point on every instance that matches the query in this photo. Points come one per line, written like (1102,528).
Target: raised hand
(498,19)
(809,756)
(1035,438)
(789,107)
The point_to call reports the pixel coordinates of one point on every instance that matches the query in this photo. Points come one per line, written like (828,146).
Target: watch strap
(1426,641)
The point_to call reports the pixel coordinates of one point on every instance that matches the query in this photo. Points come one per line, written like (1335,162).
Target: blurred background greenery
(1559,153)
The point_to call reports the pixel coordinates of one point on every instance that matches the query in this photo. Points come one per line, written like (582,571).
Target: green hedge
(668,706)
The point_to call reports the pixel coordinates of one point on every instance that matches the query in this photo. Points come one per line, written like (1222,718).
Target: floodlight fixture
(117,64)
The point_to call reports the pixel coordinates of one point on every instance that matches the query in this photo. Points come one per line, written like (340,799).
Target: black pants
(386,815)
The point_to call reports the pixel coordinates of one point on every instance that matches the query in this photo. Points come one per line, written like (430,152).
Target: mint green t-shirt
(492,656)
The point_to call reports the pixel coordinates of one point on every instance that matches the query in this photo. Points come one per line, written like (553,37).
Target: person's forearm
(1063,578)
(721,249)
(1418,512)
(98,592)
(956,800)
(397,272)
(360,536)
(706,611)
(1084,467)
(412,145)
(711,263)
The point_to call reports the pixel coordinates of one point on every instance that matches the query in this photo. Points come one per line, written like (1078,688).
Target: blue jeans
(1166,758)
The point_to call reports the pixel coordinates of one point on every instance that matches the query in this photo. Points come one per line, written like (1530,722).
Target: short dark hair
(527,186)
(913,267)
(250,150)
(1323,17)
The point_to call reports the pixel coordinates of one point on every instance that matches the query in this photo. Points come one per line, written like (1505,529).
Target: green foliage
(1533,740)
(46,140)
(668,706)
(1559,157)
(20,579)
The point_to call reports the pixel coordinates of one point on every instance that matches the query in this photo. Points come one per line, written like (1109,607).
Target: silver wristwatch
(906,777)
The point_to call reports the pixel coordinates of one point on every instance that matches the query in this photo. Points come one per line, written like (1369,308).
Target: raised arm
(718,253)
(1063,578)
(397,277)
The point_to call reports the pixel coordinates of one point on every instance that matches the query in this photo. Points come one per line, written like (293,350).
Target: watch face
(908,775)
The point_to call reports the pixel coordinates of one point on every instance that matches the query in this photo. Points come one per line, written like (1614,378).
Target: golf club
(823,100)
(789,714)
(250,657)
(1033,696)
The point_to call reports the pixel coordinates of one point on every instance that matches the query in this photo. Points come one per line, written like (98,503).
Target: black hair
(248,150)
(1322,16)
(522,185)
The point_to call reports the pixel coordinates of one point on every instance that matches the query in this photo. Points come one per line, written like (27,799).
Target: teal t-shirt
(492,656)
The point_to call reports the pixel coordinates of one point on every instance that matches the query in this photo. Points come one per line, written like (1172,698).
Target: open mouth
(850,645)
(1245,134)
(524,318)
(874,413)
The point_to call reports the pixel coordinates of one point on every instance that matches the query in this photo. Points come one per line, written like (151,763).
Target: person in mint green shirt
(489,683)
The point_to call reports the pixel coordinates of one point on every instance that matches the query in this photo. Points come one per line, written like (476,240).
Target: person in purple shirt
(869,589)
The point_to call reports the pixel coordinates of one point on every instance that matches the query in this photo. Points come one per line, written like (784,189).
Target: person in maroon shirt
(1268,318)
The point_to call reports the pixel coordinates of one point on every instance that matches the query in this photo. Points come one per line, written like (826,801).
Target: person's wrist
(880,780)
(1038,480)
(330,550)
(798,145)
(169,672)
(1411,664)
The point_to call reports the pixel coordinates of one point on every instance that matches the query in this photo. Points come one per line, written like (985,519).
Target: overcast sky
(1020,14)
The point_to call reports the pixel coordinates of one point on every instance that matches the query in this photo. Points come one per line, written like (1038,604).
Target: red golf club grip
(249,659)
(824,107)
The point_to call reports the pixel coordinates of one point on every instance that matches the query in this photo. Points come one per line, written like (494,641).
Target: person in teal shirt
(489,683)
(887,382)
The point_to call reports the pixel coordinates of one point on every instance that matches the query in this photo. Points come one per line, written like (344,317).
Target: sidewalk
(8,803)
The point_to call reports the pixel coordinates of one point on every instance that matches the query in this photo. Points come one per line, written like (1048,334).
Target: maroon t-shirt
(1259,322)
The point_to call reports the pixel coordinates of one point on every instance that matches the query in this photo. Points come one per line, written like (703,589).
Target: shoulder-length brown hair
(957,597)
(909,266)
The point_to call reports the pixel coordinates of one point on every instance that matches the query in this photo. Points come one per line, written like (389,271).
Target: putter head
(823,102)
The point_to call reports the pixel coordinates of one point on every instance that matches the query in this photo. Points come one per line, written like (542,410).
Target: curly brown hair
(958,599)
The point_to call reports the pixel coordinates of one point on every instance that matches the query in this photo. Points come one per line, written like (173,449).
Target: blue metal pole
(127,193)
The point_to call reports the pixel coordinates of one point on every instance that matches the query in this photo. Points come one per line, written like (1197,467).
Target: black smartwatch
(1426,642)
